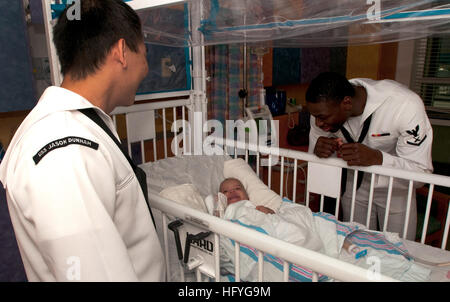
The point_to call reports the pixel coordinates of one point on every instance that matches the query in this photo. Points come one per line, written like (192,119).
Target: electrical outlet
(41,68)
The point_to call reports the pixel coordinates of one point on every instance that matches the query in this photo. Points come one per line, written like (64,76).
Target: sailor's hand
(326,146)
(356,154)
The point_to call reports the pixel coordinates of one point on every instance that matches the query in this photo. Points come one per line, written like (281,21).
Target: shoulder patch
(63,142)
(415,138)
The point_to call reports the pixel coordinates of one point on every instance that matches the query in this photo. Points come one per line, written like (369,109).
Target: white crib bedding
(431,254)
(320,232)
(204,172)
(293,223)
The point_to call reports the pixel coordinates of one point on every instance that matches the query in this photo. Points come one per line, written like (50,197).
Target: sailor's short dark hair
(82,45)
(329,86)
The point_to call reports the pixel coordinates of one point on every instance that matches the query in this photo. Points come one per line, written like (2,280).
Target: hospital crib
(148,136)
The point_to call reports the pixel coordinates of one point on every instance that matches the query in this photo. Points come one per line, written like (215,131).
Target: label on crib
(199,249)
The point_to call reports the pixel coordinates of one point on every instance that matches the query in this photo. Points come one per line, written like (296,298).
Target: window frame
(439,115)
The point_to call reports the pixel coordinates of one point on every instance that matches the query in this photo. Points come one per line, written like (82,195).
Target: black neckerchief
(349,139)
(140,174)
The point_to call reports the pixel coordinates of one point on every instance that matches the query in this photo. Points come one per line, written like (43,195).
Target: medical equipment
(264,123)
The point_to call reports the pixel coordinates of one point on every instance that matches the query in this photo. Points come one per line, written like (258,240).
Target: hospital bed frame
(141,115)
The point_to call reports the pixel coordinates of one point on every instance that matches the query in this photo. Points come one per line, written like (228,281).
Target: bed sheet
(432,254)
(316,231)
(203,171)
(206,173)
(378,252)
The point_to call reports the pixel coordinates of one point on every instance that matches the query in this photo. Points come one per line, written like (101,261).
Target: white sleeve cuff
(388,160)
(380,180)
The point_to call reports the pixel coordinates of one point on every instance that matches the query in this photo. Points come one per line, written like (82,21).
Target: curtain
(225,69)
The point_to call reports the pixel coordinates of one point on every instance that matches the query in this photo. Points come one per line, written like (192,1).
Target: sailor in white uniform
(367,122)
(77,208)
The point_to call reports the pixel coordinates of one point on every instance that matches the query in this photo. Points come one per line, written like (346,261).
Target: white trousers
(397,210)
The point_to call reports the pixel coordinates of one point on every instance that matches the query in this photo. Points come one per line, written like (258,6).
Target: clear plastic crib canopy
(294,23)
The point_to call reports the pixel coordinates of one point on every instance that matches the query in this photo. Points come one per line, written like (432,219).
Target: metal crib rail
(319,263)
(411,177)
(154,107)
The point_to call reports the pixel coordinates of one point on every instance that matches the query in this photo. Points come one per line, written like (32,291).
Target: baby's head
(233,189)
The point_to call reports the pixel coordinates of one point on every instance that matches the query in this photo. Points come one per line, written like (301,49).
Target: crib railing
(149,122)
(289,253)
(300,159)
(141,125)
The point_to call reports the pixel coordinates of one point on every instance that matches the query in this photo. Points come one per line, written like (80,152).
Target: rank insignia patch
(416,139)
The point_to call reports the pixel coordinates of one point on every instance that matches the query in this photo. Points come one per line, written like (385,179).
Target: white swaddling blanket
(320,232)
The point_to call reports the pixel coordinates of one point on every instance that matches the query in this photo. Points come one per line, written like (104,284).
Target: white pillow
(203,171)
(258,192)
(185,194)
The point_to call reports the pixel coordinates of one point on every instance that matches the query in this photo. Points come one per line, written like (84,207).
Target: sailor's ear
(119,51)
(347,103)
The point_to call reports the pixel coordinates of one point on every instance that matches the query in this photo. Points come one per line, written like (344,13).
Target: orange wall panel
(267,68)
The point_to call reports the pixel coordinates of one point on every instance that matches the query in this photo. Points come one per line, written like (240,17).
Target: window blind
(431,75)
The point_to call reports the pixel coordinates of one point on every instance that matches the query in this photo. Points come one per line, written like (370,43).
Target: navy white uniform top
(76,206)
(399,128)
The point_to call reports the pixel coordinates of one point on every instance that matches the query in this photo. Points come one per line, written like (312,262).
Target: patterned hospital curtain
(225,67)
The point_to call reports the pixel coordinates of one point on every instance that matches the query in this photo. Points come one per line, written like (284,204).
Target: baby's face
(233,190)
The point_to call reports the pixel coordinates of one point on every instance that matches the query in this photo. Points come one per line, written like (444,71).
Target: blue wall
(11,267)
(16,81)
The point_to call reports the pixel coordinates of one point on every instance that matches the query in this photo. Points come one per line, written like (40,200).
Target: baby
(233,189)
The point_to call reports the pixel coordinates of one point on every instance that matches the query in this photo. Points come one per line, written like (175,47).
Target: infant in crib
(233,189)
